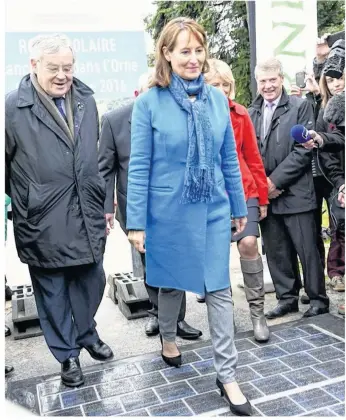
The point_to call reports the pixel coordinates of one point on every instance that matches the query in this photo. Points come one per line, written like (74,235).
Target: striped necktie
(58,103)
(268,117)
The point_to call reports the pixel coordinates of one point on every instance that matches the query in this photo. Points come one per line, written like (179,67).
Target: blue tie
(58,103)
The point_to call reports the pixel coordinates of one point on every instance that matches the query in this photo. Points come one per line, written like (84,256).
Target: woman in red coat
(256,193)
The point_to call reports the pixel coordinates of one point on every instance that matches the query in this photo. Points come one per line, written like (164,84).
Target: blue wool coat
(187,245)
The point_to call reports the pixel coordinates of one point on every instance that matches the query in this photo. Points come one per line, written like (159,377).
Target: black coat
(332,164)
(56,190)
(114,156)
(287,163)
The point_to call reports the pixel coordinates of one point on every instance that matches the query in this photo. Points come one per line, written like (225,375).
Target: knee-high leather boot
(254,292)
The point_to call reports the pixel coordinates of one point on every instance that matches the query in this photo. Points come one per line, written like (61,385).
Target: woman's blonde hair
(325,92)
(223,70)
(168,39)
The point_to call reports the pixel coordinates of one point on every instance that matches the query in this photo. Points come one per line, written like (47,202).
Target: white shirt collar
(274,103)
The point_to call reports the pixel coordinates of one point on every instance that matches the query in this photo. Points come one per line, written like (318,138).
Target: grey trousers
(220,318)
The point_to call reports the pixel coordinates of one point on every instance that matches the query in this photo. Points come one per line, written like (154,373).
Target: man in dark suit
(289,228)
(114,155)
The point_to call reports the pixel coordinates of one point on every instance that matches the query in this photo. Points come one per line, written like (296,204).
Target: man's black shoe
(7,331)
(71,372)
(100,351)
(152,326)
(314,310)
(282,309)
(186,332)
(305,299)
(8,293)
(8,369)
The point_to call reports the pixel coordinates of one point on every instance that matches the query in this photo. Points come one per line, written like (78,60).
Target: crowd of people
(193,171)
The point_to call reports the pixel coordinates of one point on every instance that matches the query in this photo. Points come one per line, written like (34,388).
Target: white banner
(287,30)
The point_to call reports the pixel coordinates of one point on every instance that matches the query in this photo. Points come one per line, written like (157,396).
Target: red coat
(250,161)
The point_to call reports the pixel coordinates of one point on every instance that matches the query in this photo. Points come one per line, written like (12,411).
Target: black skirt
(252,225)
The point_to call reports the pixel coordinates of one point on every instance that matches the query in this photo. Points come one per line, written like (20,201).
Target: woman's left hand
(240,224)
(262,212)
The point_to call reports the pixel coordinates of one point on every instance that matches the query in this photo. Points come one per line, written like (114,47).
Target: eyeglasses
(67,69)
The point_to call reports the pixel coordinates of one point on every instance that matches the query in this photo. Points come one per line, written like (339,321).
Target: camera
(300,79)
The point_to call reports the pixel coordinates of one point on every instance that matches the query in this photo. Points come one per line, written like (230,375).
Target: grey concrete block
(25,318)
(23,304)
(130,294)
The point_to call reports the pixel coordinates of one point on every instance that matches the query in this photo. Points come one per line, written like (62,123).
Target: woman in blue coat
(183,185)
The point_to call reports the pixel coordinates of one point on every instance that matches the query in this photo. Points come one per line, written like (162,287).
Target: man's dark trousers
(67,300)
(285,236)
(153,293)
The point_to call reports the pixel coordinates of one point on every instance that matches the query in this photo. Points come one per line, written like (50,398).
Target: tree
(330,16)
(226,25)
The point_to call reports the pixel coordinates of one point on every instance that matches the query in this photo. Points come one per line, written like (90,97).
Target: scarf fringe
(199,172)
(198,185)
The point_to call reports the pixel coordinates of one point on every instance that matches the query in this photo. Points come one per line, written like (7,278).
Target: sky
(78,15)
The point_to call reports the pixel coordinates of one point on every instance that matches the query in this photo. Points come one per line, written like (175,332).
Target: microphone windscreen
(300,134)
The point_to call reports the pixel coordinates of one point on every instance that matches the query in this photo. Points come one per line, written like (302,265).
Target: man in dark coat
(289,229)
(114,155)
(58,198)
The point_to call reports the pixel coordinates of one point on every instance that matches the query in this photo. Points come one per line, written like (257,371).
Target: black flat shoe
(282,309)
(152,326)
(171,361)
(314,311)
(7,331)
(305,299)
(71,373)
(100,351)
(239,410)
(185,331)
(8,369)
(8,293)
(200,298)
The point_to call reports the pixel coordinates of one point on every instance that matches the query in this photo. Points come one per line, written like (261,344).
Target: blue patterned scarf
(199,173)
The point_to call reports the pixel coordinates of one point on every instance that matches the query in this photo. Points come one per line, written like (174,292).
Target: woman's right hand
(137,238)
(240,224)
(311,84)
(322,48)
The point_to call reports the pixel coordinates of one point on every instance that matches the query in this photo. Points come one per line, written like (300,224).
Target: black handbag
(337,212)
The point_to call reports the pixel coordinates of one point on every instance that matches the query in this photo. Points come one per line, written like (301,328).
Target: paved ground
(31,357)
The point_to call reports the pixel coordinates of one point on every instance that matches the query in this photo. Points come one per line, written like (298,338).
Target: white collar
(273,103)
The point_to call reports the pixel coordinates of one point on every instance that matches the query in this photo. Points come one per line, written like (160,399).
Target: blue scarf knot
(199,178)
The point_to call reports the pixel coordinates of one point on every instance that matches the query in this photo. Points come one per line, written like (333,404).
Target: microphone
(300,134)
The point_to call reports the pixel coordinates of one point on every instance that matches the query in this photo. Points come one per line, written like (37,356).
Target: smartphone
(300,79)
(331,39)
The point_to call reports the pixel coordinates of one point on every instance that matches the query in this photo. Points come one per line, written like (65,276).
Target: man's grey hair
(270,65)
(144,79)
(48,44)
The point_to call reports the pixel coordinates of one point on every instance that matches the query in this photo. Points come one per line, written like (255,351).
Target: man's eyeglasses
(68,69)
